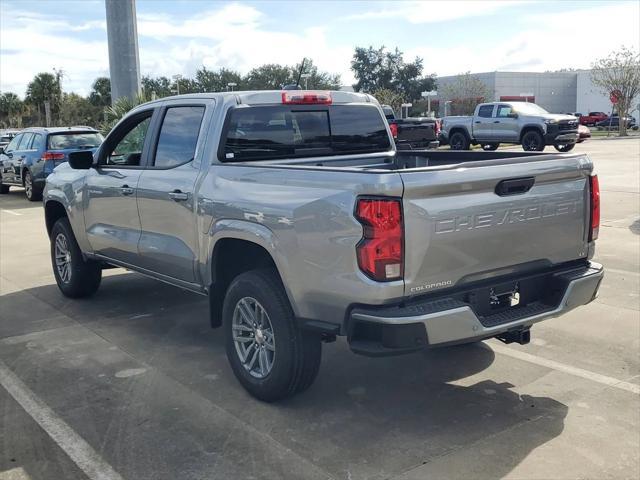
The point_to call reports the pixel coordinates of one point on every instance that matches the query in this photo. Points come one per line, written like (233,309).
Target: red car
(593,118)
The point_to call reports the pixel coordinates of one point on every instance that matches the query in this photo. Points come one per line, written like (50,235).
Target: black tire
(84,276)
(532,141)
(297,353)
(32,192)
(490,147)
(3,188)
(567,147)
(459,141)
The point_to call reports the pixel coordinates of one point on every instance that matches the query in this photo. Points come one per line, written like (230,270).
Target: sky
(180,36)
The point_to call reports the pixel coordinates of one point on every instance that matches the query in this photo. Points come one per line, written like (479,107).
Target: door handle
(496,121)
(126,190)
(477,121)
(178,196)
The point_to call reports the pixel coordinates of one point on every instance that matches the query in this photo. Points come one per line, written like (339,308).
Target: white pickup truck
(519,123)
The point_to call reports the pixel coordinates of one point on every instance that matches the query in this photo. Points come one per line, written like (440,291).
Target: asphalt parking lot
(133,384)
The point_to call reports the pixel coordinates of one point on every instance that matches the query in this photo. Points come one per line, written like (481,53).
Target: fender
(250,232)
(74,213)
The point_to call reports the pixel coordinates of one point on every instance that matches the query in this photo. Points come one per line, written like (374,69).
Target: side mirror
(512,115)
(81,160)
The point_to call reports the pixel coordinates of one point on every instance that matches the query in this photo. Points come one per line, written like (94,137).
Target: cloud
(434,11)
(546,42)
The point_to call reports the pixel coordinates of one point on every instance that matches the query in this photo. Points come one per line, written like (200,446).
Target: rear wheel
(75,276)
(490,147)
(532,141)
(269,355)
(459,141)
(565,148)
(33,192)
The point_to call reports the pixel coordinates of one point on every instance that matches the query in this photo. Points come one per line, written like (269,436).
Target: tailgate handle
(514,186)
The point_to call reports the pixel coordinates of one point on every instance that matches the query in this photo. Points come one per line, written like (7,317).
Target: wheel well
(529,129)
(231,257)
(459,130)
(24,169)
(53,211)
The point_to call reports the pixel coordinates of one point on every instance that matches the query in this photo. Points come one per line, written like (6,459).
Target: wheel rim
(253,337)
(63,258)
(28,187)
(531,143)
(456,142)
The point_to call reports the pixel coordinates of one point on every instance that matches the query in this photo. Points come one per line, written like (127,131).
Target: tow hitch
(518,336)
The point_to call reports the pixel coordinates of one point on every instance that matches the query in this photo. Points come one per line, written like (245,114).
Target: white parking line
(85,457)
(561,367)
(11,212)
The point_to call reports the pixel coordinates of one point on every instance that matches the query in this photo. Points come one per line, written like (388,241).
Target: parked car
(614,122)
(593,118)
(33,154)
(5,138)
(301,221)
(521,123)
(583,133)
(413,132)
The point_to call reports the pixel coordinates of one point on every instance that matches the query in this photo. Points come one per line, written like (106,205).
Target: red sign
(615,96)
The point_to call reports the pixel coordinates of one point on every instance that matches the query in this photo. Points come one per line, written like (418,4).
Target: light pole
(230,85)
(122,39)
(306,80)
(177,79)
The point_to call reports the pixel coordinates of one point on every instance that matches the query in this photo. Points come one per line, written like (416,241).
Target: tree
(119,109)
(465,93)
(100,95)
(380,69)
(389,97)
(44,87)
(619,72)
(78,110)
(313,78)
(270,76)
(11,110)
(160,85)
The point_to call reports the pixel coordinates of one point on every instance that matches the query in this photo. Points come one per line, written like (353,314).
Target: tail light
(380,252)
(437,127)
(394,130)
(49,160)
(306,97)
(595,207)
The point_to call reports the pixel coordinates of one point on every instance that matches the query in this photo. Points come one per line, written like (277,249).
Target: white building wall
(589,98)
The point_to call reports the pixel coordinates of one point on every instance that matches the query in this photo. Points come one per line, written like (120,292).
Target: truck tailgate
(471,223)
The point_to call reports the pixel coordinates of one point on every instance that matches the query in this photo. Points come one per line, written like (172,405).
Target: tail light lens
(595,207)
(52,156)
(437,127)
(306,97)
(380,252)
(394,130)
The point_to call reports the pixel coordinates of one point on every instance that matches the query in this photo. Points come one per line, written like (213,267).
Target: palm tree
(12,108)
(119,109)
(44,87)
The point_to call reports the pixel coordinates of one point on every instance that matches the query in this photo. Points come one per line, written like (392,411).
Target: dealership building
(557,92)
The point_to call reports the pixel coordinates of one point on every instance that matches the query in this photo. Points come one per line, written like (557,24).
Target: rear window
(283,131)
(63,141)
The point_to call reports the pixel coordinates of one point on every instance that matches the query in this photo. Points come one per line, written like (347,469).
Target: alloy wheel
(28,185)
(63,258)
(253,337)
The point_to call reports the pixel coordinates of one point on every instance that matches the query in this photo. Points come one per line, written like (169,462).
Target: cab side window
(178,136)
(504,111)
(128,148)
(485,111)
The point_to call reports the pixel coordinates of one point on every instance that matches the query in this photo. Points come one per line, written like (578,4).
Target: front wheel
(532,141)
(567,147)
(75,276)
(270,356)
(490,147)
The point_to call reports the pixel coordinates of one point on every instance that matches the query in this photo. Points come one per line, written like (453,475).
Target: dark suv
(33,154)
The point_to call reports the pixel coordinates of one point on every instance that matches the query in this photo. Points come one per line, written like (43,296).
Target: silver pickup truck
(293,212)
(520,123)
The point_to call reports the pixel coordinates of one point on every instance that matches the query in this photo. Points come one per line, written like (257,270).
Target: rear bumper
(381,331)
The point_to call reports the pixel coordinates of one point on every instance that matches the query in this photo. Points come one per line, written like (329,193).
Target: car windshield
(279,131)
(63,141)
(529,109)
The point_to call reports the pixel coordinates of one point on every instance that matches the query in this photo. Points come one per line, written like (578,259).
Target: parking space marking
(571,370)
(11,212)
(85,457)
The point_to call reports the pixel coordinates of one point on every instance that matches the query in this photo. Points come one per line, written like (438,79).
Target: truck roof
(267,97)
